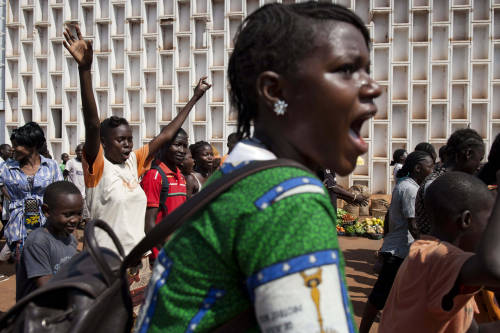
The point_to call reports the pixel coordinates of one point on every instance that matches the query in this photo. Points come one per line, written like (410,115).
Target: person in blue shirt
(25,178)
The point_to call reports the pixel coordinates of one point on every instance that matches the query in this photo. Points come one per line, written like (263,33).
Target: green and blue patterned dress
(269,242)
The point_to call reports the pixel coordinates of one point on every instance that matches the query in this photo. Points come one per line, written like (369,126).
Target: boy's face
(176,152)
(79,152)
(479,220)
(65,215)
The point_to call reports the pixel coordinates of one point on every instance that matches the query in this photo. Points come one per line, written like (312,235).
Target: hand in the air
(79,48)
(202,87)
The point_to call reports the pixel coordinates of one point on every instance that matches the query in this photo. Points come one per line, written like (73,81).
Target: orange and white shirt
(115,196)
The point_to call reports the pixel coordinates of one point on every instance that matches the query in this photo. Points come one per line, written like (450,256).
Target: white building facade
(438,62)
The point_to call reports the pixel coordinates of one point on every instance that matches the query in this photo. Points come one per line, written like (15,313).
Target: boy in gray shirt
(49,247)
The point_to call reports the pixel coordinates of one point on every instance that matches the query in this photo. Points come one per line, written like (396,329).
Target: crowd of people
(264,254)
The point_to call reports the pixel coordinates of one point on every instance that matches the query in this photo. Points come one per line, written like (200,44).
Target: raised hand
(79,48)
(202,87)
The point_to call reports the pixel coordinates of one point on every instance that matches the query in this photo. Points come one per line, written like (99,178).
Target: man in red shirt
(168,162)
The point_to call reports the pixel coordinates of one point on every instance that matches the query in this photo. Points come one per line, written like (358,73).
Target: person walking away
(402,230)
(428,148)
(436,284)
(268,246)
(489,170)
(48,248)
(464,152)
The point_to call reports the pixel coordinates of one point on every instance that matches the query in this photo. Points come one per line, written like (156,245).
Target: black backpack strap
(164,187)
(174,220)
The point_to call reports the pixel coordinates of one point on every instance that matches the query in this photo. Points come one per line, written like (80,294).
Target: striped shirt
(152,184)
(19,189)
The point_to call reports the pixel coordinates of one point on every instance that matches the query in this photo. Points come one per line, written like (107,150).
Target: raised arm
(168,132)
(82,52)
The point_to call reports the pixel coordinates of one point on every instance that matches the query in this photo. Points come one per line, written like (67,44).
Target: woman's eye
(347,69)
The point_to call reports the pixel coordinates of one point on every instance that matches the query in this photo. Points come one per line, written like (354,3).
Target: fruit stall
(350,225)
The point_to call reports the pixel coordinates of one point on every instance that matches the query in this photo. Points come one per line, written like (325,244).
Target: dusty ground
(359,257)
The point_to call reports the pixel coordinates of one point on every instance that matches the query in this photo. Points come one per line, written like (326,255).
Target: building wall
(436,60)
(2,71)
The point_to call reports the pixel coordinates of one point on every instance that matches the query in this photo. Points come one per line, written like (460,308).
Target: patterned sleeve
(2,173)
(295,269)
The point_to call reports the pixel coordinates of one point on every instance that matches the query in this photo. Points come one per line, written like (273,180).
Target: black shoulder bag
(91,292)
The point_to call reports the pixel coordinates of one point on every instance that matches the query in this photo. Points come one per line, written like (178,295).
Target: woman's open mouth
(355,131)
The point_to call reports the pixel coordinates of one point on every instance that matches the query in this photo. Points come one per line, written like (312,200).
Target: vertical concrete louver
(438,62)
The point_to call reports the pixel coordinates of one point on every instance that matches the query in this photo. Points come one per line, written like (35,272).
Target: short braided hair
(462,139)
(110,123)
(276,37)
(411,161)
(196,148)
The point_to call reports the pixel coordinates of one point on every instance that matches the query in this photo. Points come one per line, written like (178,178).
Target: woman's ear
(417,169)
(468,154)
(269,88)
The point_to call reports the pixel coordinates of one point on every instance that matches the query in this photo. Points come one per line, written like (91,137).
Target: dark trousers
(382,287)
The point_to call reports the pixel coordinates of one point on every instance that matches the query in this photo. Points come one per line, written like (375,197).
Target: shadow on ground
(361,262)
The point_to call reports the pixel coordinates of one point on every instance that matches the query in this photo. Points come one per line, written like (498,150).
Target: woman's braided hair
(110,123)
(462,139)
(427,147)
(276,37)
(196,149)
(488,172)
(411,161)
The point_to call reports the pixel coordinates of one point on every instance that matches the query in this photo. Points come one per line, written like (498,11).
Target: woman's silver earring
(280,107)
